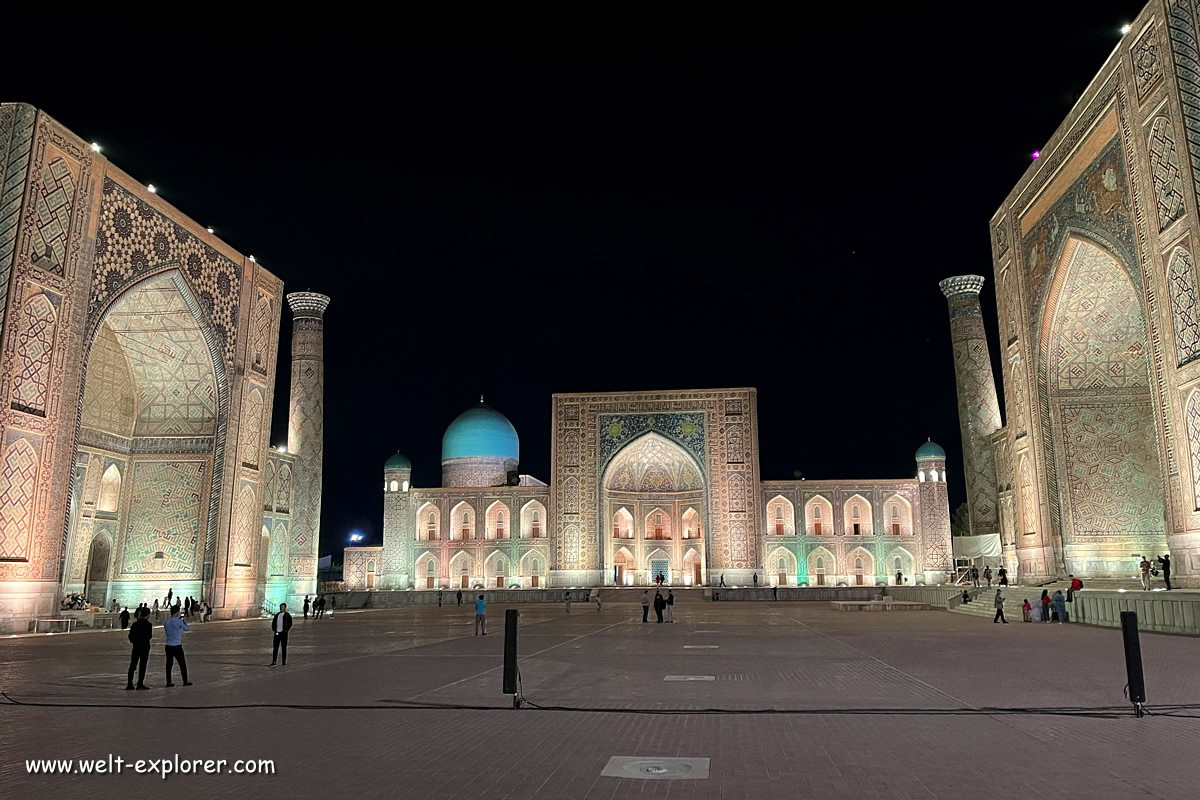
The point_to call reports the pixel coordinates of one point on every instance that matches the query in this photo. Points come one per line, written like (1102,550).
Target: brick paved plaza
(761,656)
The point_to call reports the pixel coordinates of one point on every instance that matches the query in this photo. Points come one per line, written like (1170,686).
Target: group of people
(1147,569)
(317,607)
(141,634)
(1001,576)
(1049,608)
(661,604)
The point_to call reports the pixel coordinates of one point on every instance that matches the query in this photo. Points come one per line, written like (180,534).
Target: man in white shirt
(281,623)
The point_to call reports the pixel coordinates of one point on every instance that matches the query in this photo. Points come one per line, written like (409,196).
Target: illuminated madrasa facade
(647,484)
(1097,461)
(136,385)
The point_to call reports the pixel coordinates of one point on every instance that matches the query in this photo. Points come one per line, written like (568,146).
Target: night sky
(518,223)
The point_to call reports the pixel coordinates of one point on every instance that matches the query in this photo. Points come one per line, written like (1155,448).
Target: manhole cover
(656,769)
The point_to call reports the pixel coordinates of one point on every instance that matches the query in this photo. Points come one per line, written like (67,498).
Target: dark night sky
(517,223)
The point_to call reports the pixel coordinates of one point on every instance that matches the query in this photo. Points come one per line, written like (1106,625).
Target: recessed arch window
(395,486)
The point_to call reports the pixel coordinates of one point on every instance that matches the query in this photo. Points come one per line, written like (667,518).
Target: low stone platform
(887,604)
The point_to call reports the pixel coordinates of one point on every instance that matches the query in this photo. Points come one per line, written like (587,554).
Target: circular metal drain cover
(656,769)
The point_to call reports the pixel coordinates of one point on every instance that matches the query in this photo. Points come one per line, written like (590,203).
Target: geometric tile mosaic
(162,534)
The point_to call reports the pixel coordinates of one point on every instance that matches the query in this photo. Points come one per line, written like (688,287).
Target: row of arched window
(858,517)
(497,524)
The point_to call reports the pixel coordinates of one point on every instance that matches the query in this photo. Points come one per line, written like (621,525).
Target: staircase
(983,599)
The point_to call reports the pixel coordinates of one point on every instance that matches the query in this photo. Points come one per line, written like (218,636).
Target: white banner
(987,546)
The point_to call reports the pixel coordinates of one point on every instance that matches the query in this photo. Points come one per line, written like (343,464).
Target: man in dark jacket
(1165,562)
(124,618)
(280,625)
(659,605)
(140,634)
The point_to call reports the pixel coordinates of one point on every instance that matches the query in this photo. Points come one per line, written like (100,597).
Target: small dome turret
(930,449)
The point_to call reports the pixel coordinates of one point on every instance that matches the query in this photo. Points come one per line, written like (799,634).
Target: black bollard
(512,676)
(1133,662)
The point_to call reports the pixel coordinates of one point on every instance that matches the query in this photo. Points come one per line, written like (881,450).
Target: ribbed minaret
(978,407)
(306,428)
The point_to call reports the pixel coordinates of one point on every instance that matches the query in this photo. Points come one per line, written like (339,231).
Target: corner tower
(306,431)
(935,512)
(978,406)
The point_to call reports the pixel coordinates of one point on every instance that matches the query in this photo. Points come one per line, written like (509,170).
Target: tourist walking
(567,601)
(170,594)
(670,606)
(722,580)
(1026,611)
(439,598)
(999,602)
(481,616)
(599,602)
(332,605)
(458,596)
(1145,570)
(1060,606)
(1002,574)
(280,625)
(1165,562)
(646,606)
(319,607)
(987,576)
(140,634)
(659,605)
(175,628)
(124,618)
(156,607)
(1045,605)
(774,592)
(975,576)
(306,604)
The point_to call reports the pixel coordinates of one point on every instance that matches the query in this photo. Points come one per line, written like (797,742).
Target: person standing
(756,580)
(280,625)
(599,602)
(567,601)
(319,607)
(175,628)
(1165,561)
(774,592)
(1144,567)
(1026,611)
(899,577)
(481,616)
(207,611)
(987,576)
(156,607)
(306,606)
(1060,606)
(140,634)
(1045,606)
(999,602)
(1002,574)
(458,596)
(332,605)
(125,618)
(439,598)
(975,576)
(659,605)
(646,606)
(670,606)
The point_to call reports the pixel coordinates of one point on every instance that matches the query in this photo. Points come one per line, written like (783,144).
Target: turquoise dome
(931,449)
(398,461)
(481,432)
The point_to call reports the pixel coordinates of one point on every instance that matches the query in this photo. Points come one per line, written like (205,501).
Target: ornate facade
(1094,257)
(138,375)
(647,484)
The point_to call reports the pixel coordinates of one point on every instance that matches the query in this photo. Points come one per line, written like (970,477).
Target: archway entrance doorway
(653,501)
(148,436)
(1103,439)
